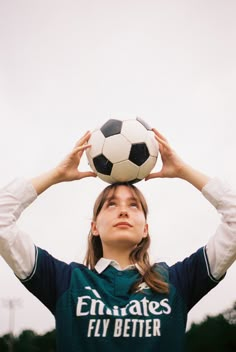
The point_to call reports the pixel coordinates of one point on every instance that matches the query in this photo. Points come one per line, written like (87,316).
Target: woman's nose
(123,213)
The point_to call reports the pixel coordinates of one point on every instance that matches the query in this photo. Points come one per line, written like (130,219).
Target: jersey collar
(103,263)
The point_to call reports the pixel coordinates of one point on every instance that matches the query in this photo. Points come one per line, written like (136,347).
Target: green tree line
(213,334)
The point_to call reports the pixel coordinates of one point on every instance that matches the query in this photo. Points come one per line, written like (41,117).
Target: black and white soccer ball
(122,150)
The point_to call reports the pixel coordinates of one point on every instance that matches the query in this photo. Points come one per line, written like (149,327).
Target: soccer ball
(122,150)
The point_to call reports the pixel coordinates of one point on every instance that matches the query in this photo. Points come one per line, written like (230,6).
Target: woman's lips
(123,224)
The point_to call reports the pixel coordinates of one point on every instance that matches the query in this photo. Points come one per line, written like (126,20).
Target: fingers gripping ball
(122,150)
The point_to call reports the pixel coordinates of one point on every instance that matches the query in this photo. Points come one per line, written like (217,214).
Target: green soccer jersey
(97,312)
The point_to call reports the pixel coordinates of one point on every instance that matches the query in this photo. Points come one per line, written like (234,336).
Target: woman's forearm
(45,180)
(193,176)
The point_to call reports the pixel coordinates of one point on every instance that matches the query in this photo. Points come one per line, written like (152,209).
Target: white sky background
(68,66)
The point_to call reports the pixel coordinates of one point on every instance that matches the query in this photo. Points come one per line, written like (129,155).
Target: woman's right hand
(67,169)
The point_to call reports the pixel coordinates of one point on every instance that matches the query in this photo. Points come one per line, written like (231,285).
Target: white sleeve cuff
(22,190)
(16,247)
(221,247)
(215,190)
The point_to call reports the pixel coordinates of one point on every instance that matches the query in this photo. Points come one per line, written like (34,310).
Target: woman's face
(121,221)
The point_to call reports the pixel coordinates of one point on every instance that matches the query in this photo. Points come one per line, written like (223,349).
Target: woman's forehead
(122,191)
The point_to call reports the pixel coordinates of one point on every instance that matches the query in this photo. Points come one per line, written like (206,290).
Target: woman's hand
(172,165)
(67,170)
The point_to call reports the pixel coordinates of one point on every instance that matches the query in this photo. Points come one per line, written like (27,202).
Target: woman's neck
(121,257)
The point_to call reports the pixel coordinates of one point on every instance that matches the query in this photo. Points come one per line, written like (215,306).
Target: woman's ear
(145,232)
(94,228)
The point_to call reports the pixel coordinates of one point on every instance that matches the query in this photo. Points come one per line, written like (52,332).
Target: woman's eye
(111,204)
(134,205)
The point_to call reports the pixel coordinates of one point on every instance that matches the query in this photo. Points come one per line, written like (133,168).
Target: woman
(118,300)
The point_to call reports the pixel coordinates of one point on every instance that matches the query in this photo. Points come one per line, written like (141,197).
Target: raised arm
(67,170)
(221,247)
(174,166)
(16,247)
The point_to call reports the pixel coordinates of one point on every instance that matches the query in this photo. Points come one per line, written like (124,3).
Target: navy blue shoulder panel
(191,277)
(50,278)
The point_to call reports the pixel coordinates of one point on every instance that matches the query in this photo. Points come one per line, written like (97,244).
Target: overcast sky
(68,66)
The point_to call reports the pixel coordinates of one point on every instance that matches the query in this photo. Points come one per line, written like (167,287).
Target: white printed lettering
(117,328)
(80,305)
(156,327)
(145,302)
(97,303)
(97,328)
(153,308)
(91,327)
(143,308)
(126,328)
(135,308)
(166,305)
(148,328)
(105,327)
(141,322)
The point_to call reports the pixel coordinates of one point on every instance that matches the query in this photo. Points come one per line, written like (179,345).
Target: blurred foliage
(214,334)
(29,341)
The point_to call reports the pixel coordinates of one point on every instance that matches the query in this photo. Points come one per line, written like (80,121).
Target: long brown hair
(138,256)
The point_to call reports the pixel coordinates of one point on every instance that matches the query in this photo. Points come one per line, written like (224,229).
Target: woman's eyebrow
(132,198)
(110,198)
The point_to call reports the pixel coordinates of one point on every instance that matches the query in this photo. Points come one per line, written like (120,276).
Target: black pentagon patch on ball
(102,164)
(139,153)
(134,181)
(111,127)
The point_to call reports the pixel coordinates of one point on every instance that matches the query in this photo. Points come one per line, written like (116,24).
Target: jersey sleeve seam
(34,268)
(209,269)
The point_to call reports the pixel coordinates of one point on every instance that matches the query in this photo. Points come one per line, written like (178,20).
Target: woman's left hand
(172,164)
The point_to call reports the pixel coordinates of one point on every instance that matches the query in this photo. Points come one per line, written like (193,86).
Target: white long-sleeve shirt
(18,249)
